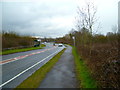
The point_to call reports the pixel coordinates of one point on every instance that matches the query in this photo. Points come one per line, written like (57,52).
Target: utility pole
(74,40)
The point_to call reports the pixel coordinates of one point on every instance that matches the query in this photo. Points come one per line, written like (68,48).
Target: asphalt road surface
(18,66)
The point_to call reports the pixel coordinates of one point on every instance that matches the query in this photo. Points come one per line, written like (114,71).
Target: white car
(60,45)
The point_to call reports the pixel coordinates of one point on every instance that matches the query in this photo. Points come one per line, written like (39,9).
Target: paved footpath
(62,74)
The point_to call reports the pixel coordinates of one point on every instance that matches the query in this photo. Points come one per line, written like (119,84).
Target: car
(60,45)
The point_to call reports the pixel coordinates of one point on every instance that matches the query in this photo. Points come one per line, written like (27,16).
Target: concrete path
(62,74)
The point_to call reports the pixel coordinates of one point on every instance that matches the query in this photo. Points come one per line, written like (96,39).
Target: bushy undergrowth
(12,39)
(103,63)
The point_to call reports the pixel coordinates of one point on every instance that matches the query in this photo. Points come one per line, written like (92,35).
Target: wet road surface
(62,74)
(24,64)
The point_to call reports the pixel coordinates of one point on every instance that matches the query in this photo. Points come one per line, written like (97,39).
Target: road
(18,66)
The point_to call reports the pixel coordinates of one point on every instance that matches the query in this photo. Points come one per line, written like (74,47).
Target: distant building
(119,17)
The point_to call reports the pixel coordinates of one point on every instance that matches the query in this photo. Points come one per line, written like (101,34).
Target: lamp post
(74,40)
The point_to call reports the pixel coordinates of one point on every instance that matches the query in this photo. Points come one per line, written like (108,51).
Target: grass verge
(36,78)
(21,50)
(82,72)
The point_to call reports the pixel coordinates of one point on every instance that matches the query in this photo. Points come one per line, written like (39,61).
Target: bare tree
(87,18)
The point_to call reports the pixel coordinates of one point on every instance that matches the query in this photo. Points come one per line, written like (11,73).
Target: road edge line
(28,69)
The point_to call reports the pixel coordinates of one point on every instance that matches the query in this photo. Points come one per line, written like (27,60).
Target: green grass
(36,78)
(82,72)
(21,50)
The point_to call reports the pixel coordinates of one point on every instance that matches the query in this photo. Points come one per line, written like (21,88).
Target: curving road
(18,66)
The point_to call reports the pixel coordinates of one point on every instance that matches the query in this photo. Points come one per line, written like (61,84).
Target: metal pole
(74,40)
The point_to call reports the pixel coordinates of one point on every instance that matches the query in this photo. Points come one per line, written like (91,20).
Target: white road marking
(21,57)
(27,69)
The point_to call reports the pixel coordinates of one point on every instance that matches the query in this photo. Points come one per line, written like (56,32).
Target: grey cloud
(36,18)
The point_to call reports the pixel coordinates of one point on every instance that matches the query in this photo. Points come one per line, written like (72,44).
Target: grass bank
(21,50)
(36,78)
(82,72)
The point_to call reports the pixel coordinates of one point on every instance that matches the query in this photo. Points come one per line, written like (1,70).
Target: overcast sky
(52,18)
